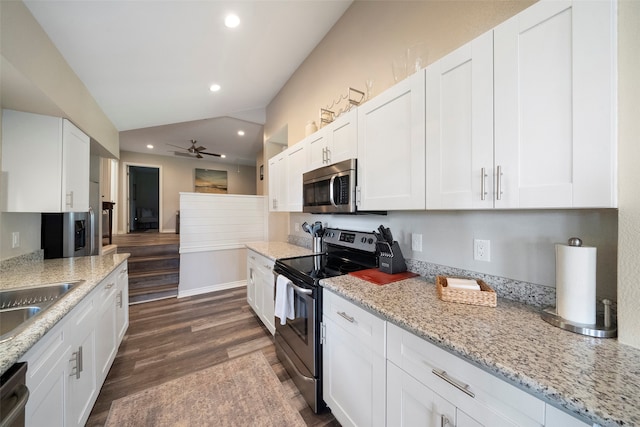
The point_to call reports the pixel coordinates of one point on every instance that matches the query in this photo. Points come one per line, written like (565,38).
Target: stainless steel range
(298,341)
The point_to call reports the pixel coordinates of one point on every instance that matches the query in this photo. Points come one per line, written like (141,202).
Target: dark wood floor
(170,338)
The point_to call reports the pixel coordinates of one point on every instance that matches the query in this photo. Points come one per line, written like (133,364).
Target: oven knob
(370,240)
(363,240)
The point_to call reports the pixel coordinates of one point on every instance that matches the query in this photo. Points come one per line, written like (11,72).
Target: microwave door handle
(333,202)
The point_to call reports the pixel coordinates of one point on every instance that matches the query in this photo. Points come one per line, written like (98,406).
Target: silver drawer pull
(444,421)
(346,316)
(460,386)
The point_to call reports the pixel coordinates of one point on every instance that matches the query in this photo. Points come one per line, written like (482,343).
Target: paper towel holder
(604,326)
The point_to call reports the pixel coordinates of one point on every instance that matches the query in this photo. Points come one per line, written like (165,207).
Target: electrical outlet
(416,242)
(15,239)
(481,250)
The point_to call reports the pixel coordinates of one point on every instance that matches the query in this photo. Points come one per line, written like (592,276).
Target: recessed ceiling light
(232,20)
(241,132)
(214,87)
(149,146)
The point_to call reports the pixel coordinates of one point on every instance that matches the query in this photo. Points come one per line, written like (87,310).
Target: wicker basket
(486,296)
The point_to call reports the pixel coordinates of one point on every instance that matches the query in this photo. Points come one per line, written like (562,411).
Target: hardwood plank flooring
(170,338)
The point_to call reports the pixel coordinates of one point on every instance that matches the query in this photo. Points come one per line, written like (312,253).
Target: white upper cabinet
(335,142)
(278,197)
(459,127)
(45,161)
(391,148)
(554,106)
(296,166)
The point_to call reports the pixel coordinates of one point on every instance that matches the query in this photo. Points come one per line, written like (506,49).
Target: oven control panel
(360,240)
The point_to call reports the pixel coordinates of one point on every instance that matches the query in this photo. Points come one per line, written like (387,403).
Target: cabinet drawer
(490,400)
(364,326)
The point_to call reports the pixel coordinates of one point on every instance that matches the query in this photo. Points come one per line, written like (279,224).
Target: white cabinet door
(261,288)
(277,183)
(266,290)
(554,110)
(82,389)
(122,303)
(342,138)
(410,403)
(75,168)
(459,111)
(252,273)
(106,333)
(317,146)
(335,142)
(53,148)
(296,166)
(391,148)
(353,379)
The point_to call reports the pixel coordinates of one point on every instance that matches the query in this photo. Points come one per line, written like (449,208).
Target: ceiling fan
(194,151)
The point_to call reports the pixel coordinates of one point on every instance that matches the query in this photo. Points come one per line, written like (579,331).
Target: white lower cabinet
(376,373)
(353,363)
(66,368)
(261,288)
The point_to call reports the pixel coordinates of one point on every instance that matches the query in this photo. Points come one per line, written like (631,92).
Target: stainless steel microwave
(330,189)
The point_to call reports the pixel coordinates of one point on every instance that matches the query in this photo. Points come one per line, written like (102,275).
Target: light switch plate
(15,239)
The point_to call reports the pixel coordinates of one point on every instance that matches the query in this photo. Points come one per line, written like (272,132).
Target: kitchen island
(91,270)
(598,380)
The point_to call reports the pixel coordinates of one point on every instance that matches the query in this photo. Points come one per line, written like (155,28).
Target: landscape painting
(211,181)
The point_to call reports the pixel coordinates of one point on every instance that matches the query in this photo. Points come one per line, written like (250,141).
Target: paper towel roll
(576,283)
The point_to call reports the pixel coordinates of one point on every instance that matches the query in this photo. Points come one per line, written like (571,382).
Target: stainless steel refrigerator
(71,234)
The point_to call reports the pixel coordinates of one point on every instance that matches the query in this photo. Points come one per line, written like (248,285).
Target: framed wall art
(211,181)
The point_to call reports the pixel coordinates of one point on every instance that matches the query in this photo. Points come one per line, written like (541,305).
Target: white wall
(629,172)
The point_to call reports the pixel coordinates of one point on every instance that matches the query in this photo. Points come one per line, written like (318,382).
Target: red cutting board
(377,277)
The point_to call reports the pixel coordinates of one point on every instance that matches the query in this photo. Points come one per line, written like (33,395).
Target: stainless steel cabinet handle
(328,155)
(119,299)
(76,357)
(444,421)
(499,185)
(460,386)
(80,361)
(483,184)
(70,199)
(109,286)
(346,316)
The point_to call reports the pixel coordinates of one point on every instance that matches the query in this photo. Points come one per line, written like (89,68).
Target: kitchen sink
(19,307)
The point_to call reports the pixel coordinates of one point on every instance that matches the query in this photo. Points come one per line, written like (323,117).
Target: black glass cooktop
(321,266)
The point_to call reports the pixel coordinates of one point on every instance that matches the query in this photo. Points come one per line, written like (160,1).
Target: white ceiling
(149,64)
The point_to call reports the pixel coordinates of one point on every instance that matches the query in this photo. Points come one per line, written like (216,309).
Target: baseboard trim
(211,288)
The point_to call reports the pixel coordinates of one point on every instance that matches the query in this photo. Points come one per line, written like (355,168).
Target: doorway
(144,213)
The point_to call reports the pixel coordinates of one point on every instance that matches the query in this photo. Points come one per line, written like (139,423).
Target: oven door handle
(301,290)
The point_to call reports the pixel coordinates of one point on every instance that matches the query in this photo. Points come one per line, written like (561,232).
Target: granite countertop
(276,250)
(90,269)
(594,378)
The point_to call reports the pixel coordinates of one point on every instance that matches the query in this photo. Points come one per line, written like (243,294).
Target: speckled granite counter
(275,250)
(596,379)
(90,269)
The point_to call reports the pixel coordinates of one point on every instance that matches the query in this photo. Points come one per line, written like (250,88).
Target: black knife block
(390,258)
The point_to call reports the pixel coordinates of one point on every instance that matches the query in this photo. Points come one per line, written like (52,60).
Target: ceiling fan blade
(177,153)
(211,154)
(198,155)
(182,148)
(201,148)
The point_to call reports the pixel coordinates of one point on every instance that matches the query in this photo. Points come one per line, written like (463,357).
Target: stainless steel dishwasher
(13,396)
